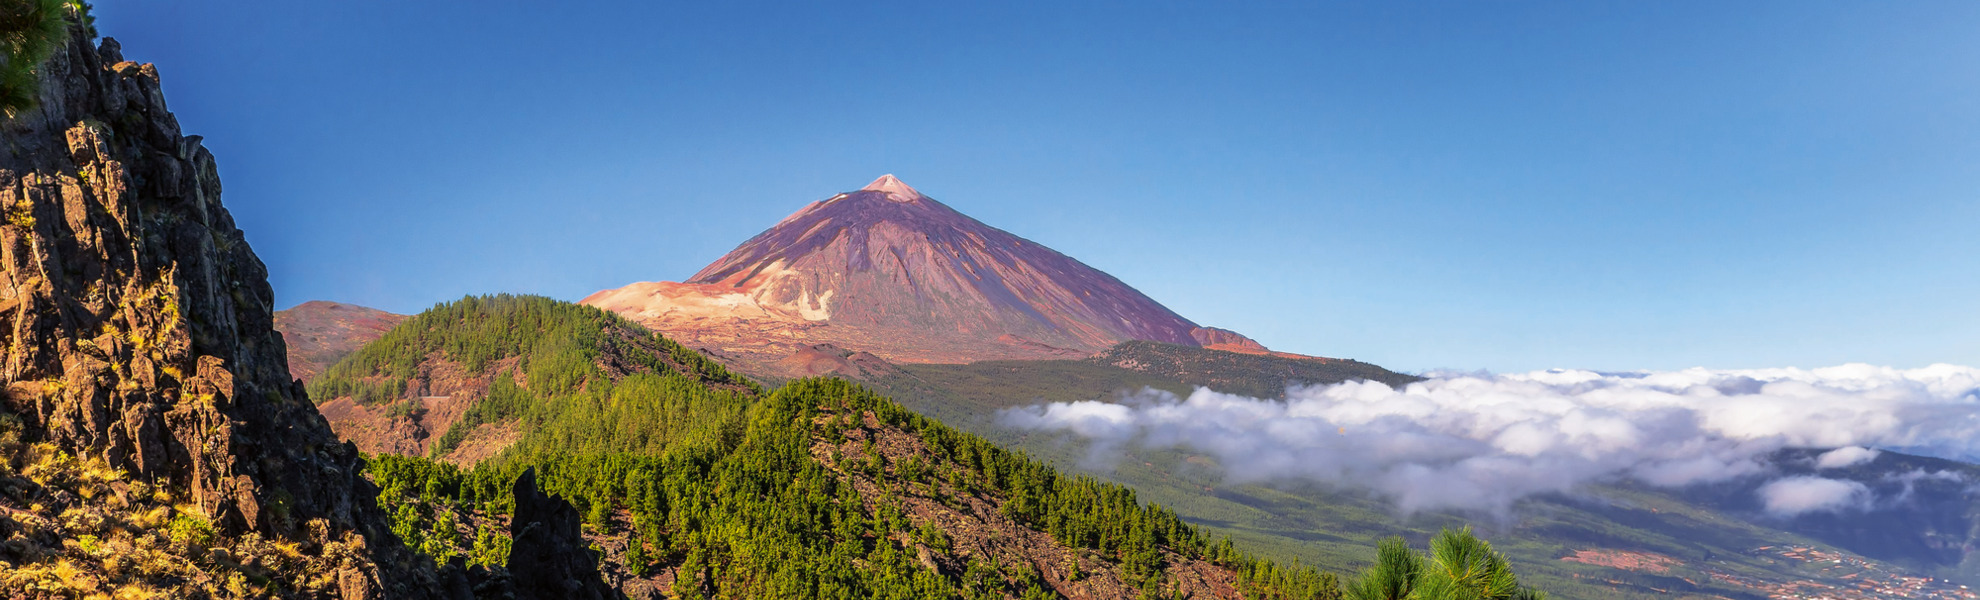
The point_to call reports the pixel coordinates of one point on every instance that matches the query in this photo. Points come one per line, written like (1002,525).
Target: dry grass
(76,528)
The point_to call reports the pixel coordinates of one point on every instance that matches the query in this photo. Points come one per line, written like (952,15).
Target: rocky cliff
(151,437)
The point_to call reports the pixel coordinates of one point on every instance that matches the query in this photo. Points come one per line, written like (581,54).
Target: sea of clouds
(1481,441)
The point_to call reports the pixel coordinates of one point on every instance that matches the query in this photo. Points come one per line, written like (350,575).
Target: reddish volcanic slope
(890,271)
(320,333)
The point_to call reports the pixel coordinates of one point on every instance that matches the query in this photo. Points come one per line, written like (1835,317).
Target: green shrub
(189,530)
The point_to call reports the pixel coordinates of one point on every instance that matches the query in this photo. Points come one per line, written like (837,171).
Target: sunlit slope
(696,483)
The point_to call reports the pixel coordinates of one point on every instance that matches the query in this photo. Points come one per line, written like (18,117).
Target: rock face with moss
(141,370)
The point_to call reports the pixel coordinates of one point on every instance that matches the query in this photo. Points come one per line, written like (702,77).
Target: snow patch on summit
(893,188)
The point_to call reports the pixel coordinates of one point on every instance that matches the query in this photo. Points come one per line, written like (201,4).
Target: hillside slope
(827,491)
(694,483)
(447,382)
(320,333)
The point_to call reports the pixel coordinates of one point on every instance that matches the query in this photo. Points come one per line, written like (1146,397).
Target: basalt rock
(549,557)
(136,327)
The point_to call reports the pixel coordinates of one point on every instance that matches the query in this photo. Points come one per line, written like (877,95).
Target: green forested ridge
(808,491)
(560,343)
(757,516)
(590,374)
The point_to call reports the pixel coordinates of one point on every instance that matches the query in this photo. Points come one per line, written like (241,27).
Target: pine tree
(1460,567)
(637,561)
(30,31)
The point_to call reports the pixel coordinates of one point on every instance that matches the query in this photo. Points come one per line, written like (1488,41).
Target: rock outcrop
(549,556)
(141,364)
(137,321)
(827,359)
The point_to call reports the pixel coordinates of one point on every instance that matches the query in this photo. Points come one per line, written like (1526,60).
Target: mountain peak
(892,272)
(894,189)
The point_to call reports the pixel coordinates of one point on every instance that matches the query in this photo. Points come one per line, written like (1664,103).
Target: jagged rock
(139,327)
(136,325)
(549,557)
(1225,339)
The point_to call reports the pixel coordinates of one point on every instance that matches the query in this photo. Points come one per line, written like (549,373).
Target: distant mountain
(890,271)
(320,333)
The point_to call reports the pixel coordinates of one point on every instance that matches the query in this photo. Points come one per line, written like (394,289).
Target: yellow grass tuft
(136,591)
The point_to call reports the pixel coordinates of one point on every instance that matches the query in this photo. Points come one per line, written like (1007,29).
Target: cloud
(1847,456)
(1795,496)
(1908,482)
(1482,441)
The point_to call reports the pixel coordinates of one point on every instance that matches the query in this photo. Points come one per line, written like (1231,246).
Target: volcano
(888,270)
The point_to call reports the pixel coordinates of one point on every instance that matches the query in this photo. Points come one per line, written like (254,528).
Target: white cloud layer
(1844,457)
(1794,496)
(1474,441)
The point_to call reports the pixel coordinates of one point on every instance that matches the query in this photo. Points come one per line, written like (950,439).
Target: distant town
(1838,576)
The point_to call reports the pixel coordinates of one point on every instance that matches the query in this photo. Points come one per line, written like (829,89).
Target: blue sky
(1498,185)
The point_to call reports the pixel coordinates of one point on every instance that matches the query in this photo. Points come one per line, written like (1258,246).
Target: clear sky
(1497,185)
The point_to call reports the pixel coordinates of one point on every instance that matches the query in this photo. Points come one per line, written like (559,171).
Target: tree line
(718,481)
